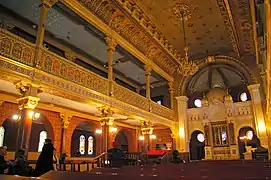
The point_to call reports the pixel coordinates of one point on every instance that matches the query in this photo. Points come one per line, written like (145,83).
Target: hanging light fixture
(182,13)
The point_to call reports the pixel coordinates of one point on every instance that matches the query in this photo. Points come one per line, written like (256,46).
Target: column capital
(253,87)
(28,102)
(182,99)
(105,111)
(47,3)
(65,117)
(148,70)
(146,128)
(111,43)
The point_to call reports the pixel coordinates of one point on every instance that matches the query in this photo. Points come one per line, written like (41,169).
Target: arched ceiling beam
(225,80)
(210,75)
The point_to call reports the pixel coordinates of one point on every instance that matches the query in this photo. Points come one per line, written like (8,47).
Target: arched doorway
(39,124)
(83,140)
(197,144)
(121,141)
(247,137)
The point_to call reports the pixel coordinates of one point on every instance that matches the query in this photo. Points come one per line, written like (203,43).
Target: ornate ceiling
(213,27)
(205,29)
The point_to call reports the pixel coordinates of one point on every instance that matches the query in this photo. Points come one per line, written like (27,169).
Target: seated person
(115,156)
(3,162)
(176,157)
(6,166)
(21,166)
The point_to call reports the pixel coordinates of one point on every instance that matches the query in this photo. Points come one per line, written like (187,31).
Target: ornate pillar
(111,47)
(147,130)
(27,104)
(148,70)
(45,5)
(106,121)
(259,121)
(170,85)
(65,117)
(183,144)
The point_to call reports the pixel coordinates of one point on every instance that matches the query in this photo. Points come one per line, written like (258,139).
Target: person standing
(45,160)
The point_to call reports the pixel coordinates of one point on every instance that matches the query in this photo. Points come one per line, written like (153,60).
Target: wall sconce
(113,129)
(15,117)
(141,138)
(152,136)
(98,131)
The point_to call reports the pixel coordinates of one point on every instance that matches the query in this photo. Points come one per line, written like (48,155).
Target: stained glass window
(90,145)
(82,140)
(2,135)
(43,136)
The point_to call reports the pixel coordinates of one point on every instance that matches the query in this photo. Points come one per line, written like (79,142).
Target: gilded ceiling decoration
(153,27)
(110,14)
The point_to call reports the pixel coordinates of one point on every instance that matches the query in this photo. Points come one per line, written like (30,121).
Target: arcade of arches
(95,74)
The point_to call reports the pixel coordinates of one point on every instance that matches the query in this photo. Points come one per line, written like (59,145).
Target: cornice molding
(225,11)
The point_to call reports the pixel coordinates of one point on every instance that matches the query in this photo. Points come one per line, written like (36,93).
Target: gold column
(111,47)
(148,70)
(26,104)
(106,121)
(45,5)
(65,124)
(267,4)
(182,124)
(170,84)
(259,120)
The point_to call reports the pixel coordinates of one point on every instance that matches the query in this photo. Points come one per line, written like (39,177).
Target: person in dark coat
(3,162)
(115,156)
(45,160)
(21,166)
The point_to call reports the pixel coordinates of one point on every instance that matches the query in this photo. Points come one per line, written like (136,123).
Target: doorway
(197,144)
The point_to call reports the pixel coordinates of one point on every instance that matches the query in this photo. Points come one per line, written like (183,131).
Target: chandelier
(186,67)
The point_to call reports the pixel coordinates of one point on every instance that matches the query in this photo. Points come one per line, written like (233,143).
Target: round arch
(38,125)
(83,139)
(222,60)
(121,141)
(197,145)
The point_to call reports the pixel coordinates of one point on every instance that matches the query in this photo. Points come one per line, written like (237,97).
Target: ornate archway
(226,61)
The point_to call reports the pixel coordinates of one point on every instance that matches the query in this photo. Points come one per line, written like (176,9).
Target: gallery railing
(20,50)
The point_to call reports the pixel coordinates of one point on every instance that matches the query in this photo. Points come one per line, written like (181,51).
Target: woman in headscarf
(45,160)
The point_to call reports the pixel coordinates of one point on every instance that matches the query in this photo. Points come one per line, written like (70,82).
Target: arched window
(2,135)
(43,136)
(90,145)
(82,140)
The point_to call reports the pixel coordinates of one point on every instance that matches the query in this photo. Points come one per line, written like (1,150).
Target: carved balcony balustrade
(18,56)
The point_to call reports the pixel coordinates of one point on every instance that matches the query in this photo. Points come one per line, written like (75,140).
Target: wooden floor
(211,170)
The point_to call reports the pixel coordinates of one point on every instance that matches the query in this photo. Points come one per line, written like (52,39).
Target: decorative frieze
(239,109)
